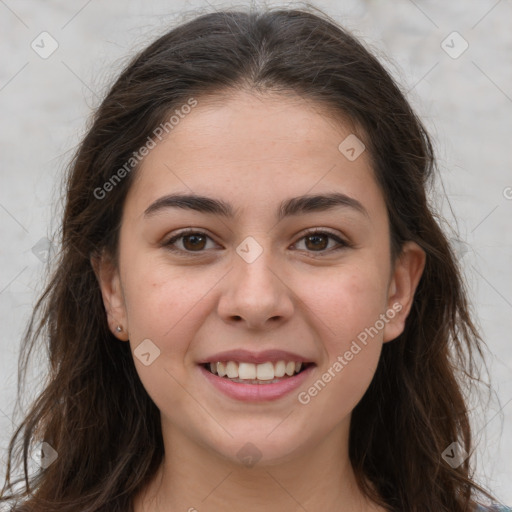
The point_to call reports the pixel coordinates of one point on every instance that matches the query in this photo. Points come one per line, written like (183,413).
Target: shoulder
(493,508)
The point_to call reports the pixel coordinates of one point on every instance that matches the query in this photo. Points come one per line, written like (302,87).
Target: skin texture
(253,152)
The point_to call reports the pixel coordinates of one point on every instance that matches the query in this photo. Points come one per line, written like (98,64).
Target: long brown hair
(94,410)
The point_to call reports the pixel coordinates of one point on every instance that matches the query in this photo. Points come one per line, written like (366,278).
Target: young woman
(254,307)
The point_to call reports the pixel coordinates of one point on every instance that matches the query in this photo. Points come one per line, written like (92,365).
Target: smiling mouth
(250,373)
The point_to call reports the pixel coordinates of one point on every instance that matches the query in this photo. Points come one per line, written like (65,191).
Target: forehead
(241,124)
(253,149)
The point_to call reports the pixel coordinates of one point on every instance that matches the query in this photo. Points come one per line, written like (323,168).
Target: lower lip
(256,392)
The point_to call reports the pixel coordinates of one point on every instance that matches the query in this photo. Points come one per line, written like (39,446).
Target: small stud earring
(119,328)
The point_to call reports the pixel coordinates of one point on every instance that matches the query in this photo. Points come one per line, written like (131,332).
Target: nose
(256,294)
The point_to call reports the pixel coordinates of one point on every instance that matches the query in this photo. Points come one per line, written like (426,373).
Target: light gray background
(466,102)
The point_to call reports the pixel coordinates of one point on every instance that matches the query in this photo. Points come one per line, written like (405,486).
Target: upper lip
(246,356)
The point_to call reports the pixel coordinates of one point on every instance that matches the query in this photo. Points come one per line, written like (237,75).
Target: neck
(194,479)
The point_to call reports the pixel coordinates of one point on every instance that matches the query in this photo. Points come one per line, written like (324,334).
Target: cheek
(348,300)
(159,296)
(164,306)
(347,310)
(168,306)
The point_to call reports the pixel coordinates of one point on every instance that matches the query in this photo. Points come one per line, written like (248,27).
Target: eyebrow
(294,206)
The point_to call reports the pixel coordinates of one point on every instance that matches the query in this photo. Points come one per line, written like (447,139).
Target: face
(272,277)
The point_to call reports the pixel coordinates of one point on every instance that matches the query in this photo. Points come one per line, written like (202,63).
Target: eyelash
(342,243)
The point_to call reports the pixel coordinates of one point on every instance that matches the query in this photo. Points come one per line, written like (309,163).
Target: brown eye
(196,242)
(191,241)
(318,241)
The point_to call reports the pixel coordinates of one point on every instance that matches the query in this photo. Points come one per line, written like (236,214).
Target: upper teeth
(251,371)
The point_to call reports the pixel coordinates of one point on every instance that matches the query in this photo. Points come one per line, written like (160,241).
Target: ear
(405,278)
(112,293)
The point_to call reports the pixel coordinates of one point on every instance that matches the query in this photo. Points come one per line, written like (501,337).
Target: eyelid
(340,240)
(167,244)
